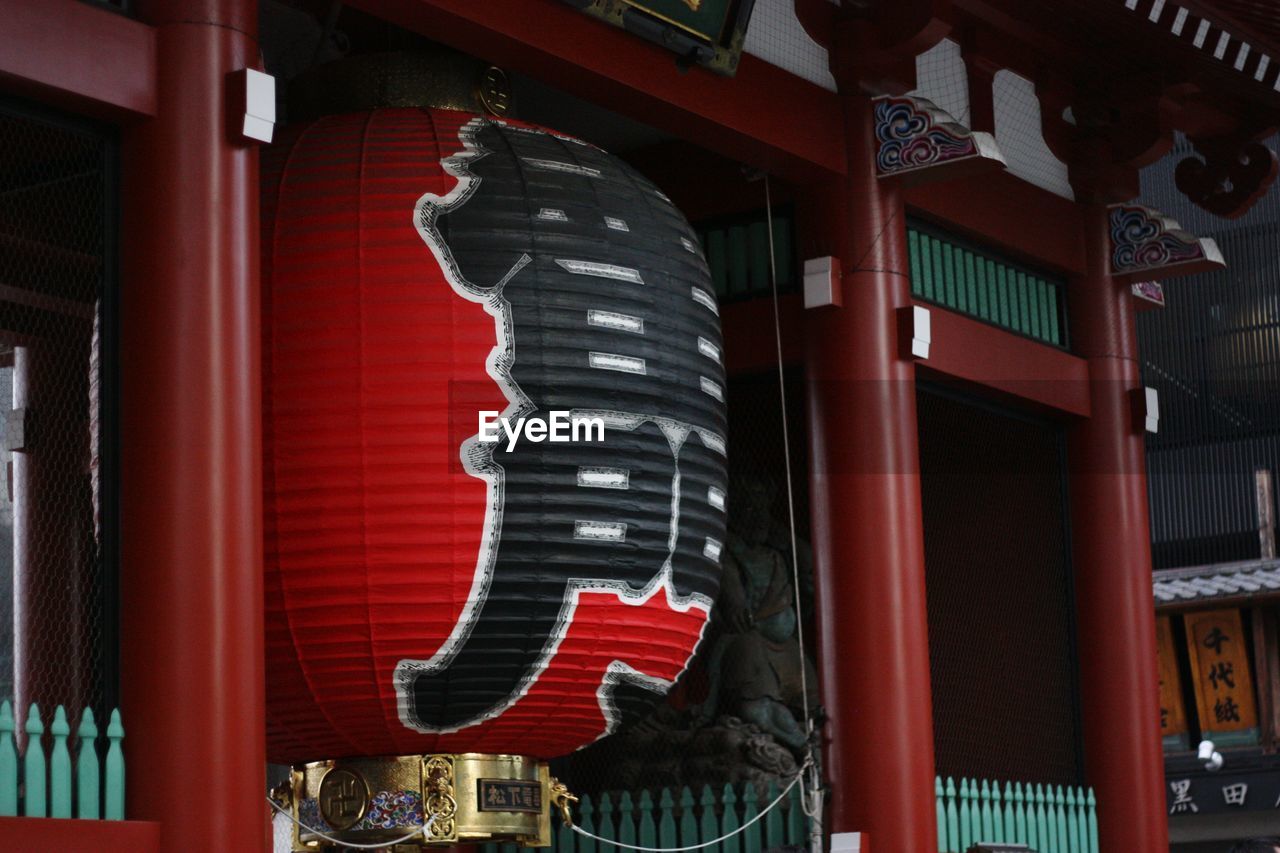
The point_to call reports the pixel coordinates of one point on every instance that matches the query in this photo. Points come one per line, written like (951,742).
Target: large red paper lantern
(429,592)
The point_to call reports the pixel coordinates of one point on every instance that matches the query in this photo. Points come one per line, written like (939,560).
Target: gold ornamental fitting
(462,798)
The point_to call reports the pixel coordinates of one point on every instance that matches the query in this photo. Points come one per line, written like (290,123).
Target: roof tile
(1224,580)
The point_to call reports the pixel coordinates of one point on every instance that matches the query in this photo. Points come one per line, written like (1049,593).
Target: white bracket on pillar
(921,331)
(258,91)
(822,283)
(1149,409)
(849,842)
(915,331)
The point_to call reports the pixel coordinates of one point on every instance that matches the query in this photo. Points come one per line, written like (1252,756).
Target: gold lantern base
(459,798)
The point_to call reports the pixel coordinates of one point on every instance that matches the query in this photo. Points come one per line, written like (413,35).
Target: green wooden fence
(46,781)
(737,254)
(678,817)
(1047,819)
(967,280)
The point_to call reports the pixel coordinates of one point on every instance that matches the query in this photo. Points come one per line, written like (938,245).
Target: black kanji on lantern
(608,309)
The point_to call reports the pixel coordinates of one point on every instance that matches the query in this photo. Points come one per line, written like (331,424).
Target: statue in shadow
(756,671)
(747,724)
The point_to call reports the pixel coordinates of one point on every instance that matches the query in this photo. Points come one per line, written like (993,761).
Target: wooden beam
(994,362)
(1007,213)
(1006,365)
(763,116)
(1266,659)
(79,57)
(108,836)
(1104,39)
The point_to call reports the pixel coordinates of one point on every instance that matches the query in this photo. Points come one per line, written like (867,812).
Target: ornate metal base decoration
(464,798)
(919,141)
(1144,240)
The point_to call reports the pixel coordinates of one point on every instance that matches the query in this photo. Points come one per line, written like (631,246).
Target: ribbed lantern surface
(427,591)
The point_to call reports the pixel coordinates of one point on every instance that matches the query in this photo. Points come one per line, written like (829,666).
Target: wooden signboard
(704,19)
(1173,716)
(1217,647)
(710,33)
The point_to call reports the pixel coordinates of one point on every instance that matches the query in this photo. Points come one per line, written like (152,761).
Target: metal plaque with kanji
(1216,645)
(1173,716)
(1198,792)
(507,795)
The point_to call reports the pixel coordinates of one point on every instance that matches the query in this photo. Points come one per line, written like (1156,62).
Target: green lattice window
(738,253)
(964,278)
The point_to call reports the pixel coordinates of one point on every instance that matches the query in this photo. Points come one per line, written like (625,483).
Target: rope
(422,830)
(704,844)
(786,452)
(810,795)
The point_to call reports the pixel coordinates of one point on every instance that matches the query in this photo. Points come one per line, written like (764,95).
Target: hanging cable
(810,795)
(704,844)
(786,455)
(421,830)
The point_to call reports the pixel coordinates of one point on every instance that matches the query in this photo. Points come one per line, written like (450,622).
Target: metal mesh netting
(776,36)
(711,729)
(54,196)
(1213,354)
(1020,137)
(942,78)
(999,595)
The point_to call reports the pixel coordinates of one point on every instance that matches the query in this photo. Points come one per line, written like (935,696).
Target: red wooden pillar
(869,544)
(191,568)
(1112,563)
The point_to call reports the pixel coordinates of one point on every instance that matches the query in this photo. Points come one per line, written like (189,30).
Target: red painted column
(1112,564)
(868,538)
(191,576)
